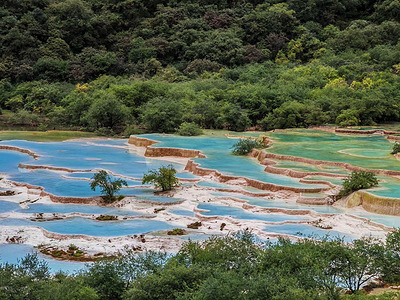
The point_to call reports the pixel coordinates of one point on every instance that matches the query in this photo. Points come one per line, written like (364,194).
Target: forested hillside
(121,66)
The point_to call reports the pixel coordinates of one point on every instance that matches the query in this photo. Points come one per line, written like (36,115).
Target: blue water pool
(305,230)
(239,213)
(7,206)
(93,228)
(182,212)
(75,208)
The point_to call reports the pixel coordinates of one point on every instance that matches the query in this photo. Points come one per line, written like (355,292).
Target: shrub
(357,181)
(108,186)
(24,117)
(194,225)
(107,218)
(396,148)
(163,178)
(177,231)
(244,146)
(72,247)
(189,129)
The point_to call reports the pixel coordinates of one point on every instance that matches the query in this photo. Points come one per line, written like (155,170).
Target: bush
(163,178)
(244,146)
(189,129)
(358,181)
(396,148)
(177,231)
(24,117)
(195,225)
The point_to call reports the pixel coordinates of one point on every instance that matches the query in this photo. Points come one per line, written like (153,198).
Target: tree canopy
(218,64)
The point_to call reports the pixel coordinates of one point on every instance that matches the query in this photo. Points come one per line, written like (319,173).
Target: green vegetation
(358,181)
(108,186)
(189,129)
(48,136)
(121,66)
(177,231)
(230,267)
(163,178)
(396,148)
(194,225)
(244,146)
(107,218)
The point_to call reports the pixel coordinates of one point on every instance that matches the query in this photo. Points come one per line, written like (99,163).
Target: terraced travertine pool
(84,158)
(369,151)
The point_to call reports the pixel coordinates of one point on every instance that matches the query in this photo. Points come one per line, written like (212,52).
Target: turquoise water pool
(218,151)
(264,202)
(369,151)
(90,227)
(240,213)
(305,230)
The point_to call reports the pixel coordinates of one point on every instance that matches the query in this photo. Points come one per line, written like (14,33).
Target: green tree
(357,181)
(108,186)
(396,148)
(106,111)
(162,115)
(189,129)
(65,287)
(163,178)
(245,146)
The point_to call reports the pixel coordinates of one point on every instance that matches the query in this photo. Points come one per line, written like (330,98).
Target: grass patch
(44,136)
(106,218)
(177,231)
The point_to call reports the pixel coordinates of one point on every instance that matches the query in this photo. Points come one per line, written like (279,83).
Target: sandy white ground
(194,195)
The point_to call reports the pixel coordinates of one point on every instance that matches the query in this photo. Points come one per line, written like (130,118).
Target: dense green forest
(124,66)
(231,267)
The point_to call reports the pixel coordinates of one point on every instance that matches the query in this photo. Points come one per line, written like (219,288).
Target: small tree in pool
(244,146)
(358,181)
(163,178)
(396,148)
(108,187)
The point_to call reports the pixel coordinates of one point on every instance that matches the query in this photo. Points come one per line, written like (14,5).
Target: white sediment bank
(193,196)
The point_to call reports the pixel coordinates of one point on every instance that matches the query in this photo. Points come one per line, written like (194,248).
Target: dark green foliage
(236,266)
(244,146)
(163,178)
(358,181)
(222,65)
(162,115)
(189,129)
(396,148)
(108,186)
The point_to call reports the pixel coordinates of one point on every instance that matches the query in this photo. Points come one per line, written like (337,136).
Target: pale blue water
(263,202)
(217,185)
(9,161)
(187,175)
(12,253)
(219,157)
(305,230)
(84,156)
(79,225)
(239,213)
(182,212)
(391,221)
(7,206)
(75,208)
(54,183)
